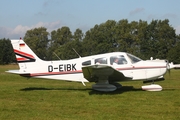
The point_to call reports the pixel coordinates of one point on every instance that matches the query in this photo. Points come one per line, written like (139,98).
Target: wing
(95,73)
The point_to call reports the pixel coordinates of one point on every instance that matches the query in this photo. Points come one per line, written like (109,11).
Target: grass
(40,99)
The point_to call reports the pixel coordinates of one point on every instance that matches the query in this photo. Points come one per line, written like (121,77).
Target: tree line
(156,39)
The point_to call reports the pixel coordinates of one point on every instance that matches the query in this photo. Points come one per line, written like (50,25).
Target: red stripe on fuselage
(55,73)
(80,71)
(143,67)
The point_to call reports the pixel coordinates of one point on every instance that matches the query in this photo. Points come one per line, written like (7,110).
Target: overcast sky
(18,16)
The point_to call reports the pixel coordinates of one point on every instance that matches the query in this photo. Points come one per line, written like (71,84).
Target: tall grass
(40,99)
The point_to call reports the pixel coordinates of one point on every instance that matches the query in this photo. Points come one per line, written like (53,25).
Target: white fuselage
(71,70)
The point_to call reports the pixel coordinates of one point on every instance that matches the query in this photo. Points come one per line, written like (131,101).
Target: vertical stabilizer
(25,57)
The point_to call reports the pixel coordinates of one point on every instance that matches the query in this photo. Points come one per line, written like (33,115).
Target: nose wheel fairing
(152,87)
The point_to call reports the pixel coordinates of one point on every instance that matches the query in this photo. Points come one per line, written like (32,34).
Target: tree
(66,51)
(61,36)
(173,53)
(6,52)
(77,41)
(37,39)
(59,42)
(78,35)
(159,39)
(103,34)
(156,39)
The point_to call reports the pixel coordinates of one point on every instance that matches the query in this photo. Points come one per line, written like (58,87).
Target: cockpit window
(118,60)
(101,61)
(133,59)
(86,63)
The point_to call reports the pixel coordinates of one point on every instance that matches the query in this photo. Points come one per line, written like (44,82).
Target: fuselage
(71,70)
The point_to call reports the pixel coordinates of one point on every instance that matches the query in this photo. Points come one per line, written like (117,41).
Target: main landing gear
(106,87)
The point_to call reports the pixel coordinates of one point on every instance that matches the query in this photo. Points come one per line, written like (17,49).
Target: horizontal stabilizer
(25,74)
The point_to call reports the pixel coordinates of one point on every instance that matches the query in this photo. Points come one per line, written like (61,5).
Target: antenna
(56,55)
(76,52)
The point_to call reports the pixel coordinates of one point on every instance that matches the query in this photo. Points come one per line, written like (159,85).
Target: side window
(118,60)
(101,61)
(86,63)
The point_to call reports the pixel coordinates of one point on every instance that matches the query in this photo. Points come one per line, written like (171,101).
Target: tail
(23,53)
(26,58)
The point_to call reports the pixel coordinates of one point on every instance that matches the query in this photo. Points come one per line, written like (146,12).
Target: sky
(18,16)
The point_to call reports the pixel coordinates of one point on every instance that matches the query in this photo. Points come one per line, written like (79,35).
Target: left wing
(101,72)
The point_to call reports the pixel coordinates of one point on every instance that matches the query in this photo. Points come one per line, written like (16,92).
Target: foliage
(156,39)
(139,38)
(37,39)
(174,54)
(6,52)
(59,38)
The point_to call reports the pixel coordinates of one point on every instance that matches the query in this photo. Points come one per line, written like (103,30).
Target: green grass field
(41,99)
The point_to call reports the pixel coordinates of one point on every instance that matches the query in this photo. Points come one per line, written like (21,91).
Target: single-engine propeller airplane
(106,70)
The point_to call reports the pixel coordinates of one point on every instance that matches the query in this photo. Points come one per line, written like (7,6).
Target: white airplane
(103,69)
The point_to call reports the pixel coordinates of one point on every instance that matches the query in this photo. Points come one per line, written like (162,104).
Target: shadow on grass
(169,89)
(118,91)
(91,92)
(42,88)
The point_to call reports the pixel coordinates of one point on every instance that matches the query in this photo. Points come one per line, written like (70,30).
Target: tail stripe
(23,54)
(21,59)
(25,57)
(25,61)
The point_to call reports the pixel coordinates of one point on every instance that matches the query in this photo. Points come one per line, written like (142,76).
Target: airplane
(105,70)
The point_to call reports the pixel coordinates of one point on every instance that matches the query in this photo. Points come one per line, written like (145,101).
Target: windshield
(133,58)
